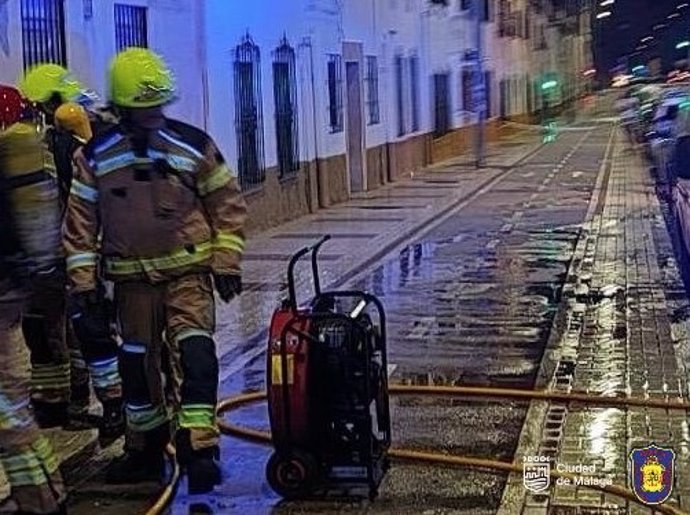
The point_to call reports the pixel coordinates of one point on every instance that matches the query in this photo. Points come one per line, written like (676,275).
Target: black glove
(228,286)
(91,314)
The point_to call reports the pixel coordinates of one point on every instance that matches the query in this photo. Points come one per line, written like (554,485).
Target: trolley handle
(314,250)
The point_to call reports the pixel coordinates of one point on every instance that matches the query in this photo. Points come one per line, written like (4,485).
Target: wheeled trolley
(327,388)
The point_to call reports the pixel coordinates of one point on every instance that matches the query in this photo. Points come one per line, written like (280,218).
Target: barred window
(249,117)
(441,104)
(335,93)
(372,88)
(285,100)
(399,96)
(43,32)
(467,79)
(130,26)
(414,93)
(488,79)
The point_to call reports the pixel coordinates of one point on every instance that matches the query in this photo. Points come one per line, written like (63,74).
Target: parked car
(660,135)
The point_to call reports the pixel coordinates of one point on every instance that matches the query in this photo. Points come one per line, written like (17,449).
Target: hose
(262,437)
(168,493)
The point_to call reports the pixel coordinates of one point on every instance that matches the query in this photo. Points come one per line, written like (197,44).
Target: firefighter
(29,246)
(92,342)
(61,393)
(171,217)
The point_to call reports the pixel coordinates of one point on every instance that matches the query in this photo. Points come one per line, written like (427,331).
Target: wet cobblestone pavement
(559,247)
(620,338)
(471,301)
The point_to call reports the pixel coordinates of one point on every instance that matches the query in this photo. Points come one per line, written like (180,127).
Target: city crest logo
(651,472)
(536,474)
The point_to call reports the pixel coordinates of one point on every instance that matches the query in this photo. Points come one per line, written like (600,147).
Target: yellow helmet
(41,82)
(73,118)
(140,78)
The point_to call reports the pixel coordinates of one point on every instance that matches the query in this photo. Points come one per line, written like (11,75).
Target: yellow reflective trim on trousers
(50,377)
(81,260)
(228,241)
(29,468)
(197,416)
(218,178)
(177,259)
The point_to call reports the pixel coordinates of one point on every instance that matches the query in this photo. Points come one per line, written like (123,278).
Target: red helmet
(12,105)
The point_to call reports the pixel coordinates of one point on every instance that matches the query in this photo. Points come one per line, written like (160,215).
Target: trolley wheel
(291,474)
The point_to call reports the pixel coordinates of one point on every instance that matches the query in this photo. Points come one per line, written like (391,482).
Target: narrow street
(471,301)
(500,284)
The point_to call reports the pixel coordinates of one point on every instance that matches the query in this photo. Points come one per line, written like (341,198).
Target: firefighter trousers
(63,367)
(26,456)
(168,360)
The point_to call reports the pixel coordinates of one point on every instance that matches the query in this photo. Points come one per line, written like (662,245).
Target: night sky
(632,20)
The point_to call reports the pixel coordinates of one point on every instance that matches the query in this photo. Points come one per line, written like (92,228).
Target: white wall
(91,45)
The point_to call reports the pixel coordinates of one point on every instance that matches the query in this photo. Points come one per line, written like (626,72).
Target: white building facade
(312,101)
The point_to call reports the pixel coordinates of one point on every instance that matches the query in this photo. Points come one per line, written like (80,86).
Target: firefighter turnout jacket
(30,195)
(165,200)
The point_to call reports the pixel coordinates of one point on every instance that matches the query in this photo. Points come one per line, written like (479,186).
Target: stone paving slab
(623,343)
(360,237)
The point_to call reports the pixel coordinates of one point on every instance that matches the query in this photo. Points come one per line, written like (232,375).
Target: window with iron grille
(467,79)
(43,32)
(503,13)
(131,29)
(441,104)
(414,93)
(372,89)
(399,95)
(285,97)
(249,114)
(335,92)
(488,78)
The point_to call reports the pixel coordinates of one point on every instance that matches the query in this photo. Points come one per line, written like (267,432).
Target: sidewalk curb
(514,494)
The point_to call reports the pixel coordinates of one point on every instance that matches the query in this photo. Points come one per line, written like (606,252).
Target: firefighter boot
(50,414)
(201,466)
(141,465)
(112,424)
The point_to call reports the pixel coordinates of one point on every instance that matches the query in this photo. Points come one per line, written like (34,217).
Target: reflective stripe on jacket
(165,202)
